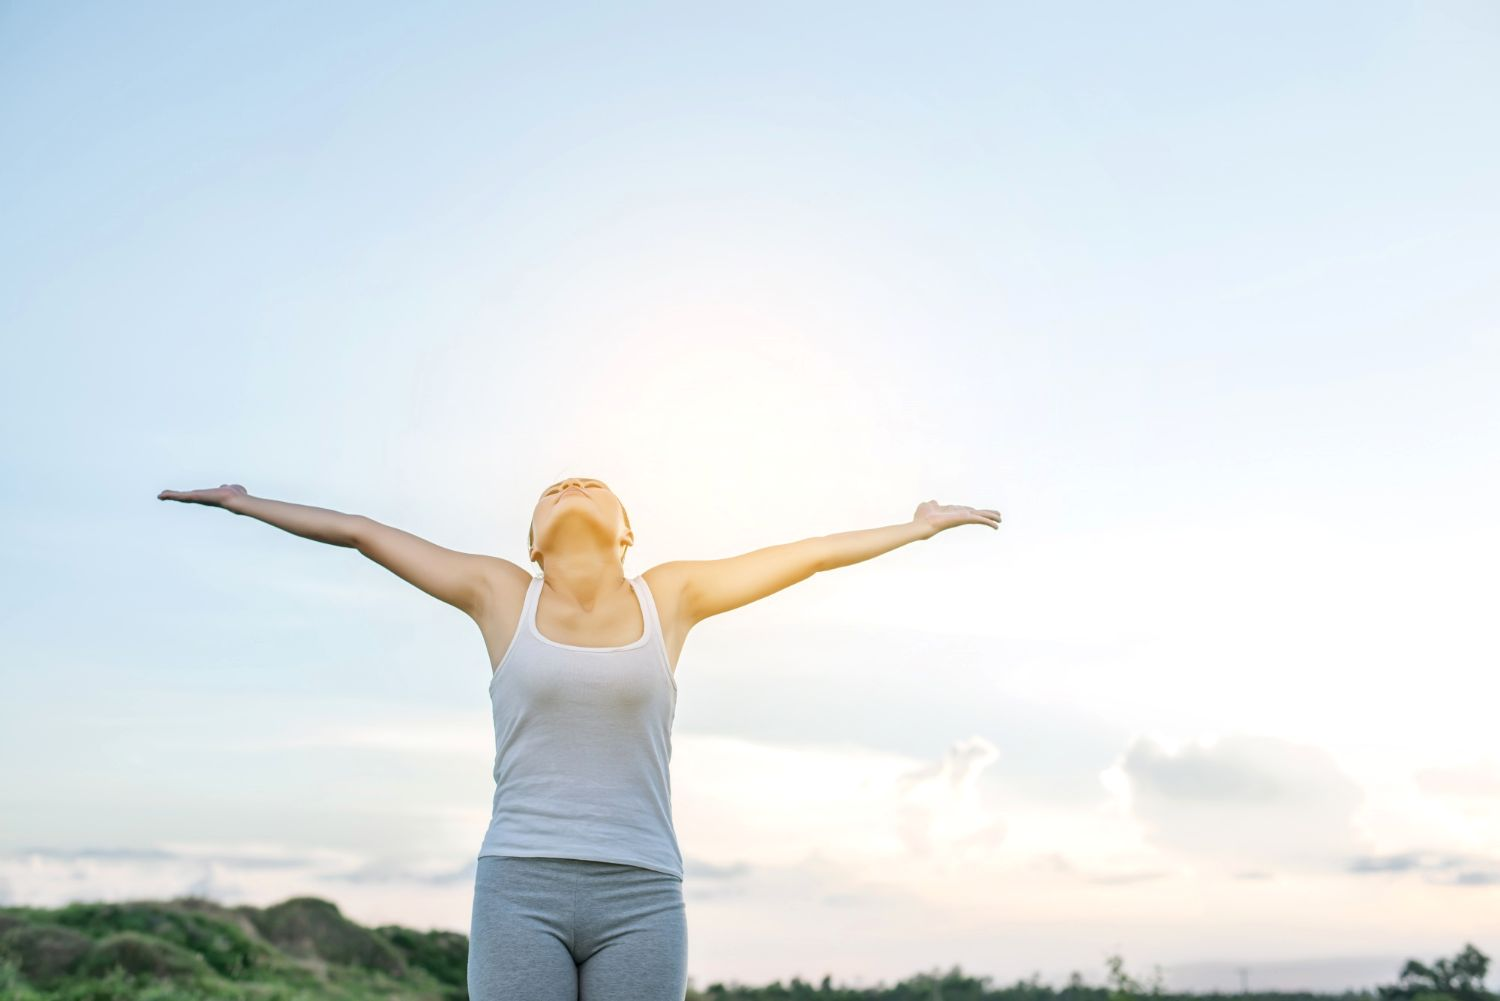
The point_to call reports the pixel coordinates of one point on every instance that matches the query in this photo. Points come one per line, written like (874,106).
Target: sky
(1201,297)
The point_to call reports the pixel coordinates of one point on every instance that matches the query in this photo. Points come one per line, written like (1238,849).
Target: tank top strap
(528,608)
(648,608)
(533,596)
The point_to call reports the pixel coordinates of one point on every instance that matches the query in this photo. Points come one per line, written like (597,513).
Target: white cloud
(1243,801)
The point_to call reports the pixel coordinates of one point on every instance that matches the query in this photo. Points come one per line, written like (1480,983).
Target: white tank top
(583,745)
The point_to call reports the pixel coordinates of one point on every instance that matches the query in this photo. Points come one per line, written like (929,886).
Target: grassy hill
(190,948)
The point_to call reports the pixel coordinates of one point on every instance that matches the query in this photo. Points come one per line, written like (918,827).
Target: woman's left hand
(936,517)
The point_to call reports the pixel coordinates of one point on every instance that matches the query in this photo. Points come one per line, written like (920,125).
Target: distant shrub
(444,954)
(310,927)
(222,937)
(44,952)
(142,955)
(1458,979)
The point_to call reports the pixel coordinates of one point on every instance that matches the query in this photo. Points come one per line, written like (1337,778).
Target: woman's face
(577,496)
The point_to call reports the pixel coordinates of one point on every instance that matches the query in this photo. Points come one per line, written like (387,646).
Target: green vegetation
(303,949)
(189,949)
(1460,980)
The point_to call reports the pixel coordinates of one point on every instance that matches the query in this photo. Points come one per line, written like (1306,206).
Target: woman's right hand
(463,580)
(214,496)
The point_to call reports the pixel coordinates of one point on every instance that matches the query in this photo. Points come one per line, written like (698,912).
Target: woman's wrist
(235,503)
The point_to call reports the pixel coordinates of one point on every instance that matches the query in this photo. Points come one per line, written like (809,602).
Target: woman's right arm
(460,579)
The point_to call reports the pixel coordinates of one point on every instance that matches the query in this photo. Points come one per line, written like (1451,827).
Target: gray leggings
(563,929)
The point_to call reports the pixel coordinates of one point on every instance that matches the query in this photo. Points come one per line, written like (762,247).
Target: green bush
(444,954)
(44,952)
(309,927)
(142,955)
(223,937)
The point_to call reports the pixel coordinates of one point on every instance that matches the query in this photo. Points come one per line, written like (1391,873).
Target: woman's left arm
(711,587)
(931,518)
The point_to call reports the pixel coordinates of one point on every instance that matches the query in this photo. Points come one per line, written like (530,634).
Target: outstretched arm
(710,587)
(460,579)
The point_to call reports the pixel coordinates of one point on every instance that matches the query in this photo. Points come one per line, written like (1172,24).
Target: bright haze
(1201,297)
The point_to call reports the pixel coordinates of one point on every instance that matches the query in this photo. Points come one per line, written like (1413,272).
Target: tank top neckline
(533,602)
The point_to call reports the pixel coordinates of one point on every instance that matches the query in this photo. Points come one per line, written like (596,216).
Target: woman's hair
(531,532)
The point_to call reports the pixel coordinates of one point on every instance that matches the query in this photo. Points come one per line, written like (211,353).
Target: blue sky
(1201,297)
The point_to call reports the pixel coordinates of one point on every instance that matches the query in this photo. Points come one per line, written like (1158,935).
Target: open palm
(213,496)
(938,517)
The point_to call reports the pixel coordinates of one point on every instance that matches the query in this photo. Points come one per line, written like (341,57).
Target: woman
(578,888)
